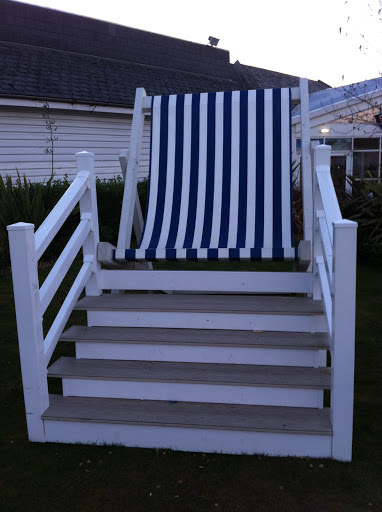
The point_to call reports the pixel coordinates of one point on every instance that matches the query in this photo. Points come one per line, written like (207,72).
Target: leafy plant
(365,207)
(297,206)
(24,201)
(50,125)
(19,202)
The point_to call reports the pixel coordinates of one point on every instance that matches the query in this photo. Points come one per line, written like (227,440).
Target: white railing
(334,280)
(31,301)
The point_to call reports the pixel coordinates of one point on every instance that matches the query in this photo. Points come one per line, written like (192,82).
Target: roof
(332,98)
(51,55)
(44,73)
(259,78)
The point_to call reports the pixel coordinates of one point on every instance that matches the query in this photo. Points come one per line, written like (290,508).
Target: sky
(336,41)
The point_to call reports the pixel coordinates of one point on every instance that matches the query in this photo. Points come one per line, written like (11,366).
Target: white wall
(23,137)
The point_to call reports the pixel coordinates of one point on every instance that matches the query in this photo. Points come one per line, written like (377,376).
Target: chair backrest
(220,177)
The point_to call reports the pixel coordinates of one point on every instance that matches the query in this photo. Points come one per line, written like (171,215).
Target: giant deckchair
(237,363)
(220,185)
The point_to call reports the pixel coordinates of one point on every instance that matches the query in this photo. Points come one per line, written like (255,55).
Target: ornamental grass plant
(364,206)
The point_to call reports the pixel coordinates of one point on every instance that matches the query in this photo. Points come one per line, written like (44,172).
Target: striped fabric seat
(220,178)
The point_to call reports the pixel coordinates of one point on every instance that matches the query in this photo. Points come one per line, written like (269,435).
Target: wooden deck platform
(202,373)
(189,414)
(243,304)
(198,337)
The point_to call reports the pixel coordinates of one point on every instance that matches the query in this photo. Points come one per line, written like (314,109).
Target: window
(366,143)
(366,157)
(366,152)
(339,144)
(298,143)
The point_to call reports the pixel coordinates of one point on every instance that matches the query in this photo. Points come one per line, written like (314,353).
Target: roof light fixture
(324,130)
(213,41)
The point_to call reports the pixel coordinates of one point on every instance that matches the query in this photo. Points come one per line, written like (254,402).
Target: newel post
(89,211)
(29,326)
(344,297)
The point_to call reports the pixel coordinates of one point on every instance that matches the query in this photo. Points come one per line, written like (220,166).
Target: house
(347,119)
(68,82)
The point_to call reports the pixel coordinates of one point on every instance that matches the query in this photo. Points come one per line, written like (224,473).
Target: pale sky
(298,37)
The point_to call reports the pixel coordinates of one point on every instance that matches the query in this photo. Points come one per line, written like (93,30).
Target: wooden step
(201,373)
(242,304)
(191,415)
(196,337)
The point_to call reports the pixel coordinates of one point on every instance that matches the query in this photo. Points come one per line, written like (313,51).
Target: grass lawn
(54,477)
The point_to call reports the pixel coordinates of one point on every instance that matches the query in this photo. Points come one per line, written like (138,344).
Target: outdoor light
(213,41)
(324,130)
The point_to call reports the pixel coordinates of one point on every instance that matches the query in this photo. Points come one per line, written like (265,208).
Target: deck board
(244,304)
(199,337)
(254,418)
(192,373)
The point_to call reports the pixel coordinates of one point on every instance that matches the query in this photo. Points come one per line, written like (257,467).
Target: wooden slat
(202,304)
(134,335)
(201,281)
(192,373)
(254,418)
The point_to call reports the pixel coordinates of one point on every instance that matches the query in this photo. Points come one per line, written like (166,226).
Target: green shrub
(24,201)
(365,207)
(31,202)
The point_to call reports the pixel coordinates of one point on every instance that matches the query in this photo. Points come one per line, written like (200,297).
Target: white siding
(23,137)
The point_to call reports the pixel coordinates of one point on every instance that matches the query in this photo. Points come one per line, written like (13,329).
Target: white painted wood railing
(31,301)
(334,280)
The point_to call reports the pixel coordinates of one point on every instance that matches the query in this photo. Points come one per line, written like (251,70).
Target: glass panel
(365,163)
(339,144)
(367,143)
(298,143)
(338,172)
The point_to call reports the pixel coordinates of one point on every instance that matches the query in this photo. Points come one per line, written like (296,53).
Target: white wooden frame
(31,301)
(131,212)
(334,280)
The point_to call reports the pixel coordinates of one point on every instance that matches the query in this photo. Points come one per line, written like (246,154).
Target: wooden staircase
(158,370)
(243,371)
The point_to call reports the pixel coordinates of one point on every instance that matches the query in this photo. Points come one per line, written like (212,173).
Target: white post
(88,209)
(306,162)
(130,189)
(138,215)
(29,326)
(344,290)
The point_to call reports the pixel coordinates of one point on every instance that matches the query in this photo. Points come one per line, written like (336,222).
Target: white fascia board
(61,105)
(325,113)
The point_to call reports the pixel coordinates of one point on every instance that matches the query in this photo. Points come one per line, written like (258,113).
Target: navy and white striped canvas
(220,178)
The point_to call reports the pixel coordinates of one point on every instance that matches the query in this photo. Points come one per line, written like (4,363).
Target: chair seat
(218,254)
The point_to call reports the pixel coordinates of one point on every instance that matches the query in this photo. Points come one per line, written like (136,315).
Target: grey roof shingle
(259,78)
(57,75)
(45,73)
(53,55)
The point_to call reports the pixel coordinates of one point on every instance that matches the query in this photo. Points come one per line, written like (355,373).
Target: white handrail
(336,240)
(66,309)
(51,225)
(328,197)
(325,288)
(26,247)
(62,265)
(325,239)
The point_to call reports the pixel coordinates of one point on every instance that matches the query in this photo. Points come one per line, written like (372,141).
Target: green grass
(54,477)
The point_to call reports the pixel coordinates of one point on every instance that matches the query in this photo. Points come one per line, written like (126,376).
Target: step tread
(243,304)
(200,337)
(296,420)
(192,373)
